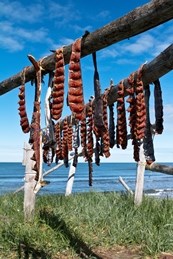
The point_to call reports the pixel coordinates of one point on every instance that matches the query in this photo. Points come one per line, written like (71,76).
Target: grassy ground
(76,226)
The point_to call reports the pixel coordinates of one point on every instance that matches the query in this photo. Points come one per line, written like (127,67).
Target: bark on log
(137,21)
(160,168)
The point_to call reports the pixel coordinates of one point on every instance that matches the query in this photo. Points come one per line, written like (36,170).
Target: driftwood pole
(140,177)
(137,21)
(125,185)
(164,169)
(70,179)
(29,195)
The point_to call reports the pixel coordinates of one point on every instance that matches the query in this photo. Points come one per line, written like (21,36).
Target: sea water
(105,179)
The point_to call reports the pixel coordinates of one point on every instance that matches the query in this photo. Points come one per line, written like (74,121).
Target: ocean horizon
(105,179)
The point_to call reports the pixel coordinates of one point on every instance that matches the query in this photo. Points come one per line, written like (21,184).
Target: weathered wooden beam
(137,21)
(164,169)
(139,188)
(153,70)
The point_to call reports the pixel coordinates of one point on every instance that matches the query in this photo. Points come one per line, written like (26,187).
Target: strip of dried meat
(58,85)
(121,128)
(75,91)
(98,103)
(158,107)
(148,140)
(24,122)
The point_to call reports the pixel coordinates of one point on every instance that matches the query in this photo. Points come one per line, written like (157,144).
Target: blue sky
(39,26)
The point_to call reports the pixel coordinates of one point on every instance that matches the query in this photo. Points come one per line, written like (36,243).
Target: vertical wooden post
(70,180)
(24,154)
(39,182)
(29,195)
(140,177)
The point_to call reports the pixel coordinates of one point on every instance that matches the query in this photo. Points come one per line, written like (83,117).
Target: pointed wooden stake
(29,195)
(140,177)
(70,180)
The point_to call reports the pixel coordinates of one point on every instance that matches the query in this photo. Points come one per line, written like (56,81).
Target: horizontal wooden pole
(137,21)
(153,70)
(160,168)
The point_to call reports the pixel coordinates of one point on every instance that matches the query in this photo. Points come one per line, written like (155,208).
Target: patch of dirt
(118,252)
(166,256)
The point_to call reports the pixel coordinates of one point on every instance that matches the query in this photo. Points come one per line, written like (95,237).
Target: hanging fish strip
(138,121)
(48,134)
(49,146)
(121,128)
(75,91)
(70,136)
(58,85)
(83,134)
(58,138)
(111,121)
(158,104)
(24,122)
(98,103)
(100,117)
(48,155)
(105,133)
(140,107)
(65,142)
(76,142)
(35,124)
(102,136)
(148,140)
(111,126)
(132,117)
(99,146)
(98,151)
(90,142)
(87,137)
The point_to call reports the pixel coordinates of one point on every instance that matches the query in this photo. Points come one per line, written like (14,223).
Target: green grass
(84,221)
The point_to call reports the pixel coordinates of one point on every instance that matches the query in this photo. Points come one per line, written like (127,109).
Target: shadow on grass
(78,245)
(23,248)
(26,251)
